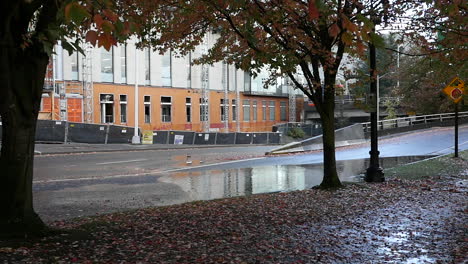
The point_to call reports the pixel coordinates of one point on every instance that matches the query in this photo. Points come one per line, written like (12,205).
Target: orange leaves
(313,10)
(347,24)
(334,30)
(110,15)
(101,22)
(347,38)
(91,37)
(106,41)
(103,39)
(98,20)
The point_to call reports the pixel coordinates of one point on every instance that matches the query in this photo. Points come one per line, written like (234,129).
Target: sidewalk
(44,149)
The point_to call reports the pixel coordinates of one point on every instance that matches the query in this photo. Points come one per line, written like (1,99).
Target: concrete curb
(346,136)
(83,149)
(299,148)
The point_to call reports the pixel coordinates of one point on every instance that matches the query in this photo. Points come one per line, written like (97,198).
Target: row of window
(107,66)
(107,109)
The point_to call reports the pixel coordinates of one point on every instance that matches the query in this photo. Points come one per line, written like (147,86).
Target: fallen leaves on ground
(397,221)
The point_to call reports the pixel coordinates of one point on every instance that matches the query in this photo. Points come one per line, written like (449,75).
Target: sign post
(455,90)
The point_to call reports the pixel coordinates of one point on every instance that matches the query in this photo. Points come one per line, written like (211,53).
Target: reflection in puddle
(74,198)
(214,184)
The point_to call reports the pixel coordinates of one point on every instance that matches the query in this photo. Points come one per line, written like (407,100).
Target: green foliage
(446,165)
(296,132)
(391,109)
(423,78)
(386,64)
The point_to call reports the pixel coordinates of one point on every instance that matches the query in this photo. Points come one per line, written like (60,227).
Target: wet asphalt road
(72,185)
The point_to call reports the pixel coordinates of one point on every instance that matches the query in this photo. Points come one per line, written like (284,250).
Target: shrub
(296,132)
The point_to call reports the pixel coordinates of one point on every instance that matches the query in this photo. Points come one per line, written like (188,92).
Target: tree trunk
(330,175)
(21,81)
(327,115)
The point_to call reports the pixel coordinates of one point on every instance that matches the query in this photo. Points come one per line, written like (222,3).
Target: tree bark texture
(327,115)
(22,74)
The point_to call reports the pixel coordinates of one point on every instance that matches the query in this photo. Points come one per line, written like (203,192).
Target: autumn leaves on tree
(286,37)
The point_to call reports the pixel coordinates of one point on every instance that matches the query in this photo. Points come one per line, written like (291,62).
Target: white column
(136,137)
(378,101)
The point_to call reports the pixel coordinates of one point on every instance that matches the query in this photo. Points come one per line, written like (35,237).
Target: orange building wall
(178,121)
(47,107)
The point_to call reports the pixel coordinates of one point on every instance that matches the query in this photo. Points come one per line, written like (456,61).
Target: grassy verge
(432,168)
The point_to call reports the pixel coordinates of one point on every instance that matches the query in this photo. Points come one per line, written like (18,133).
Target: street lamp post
(374,173)
(136,137)
(378,95)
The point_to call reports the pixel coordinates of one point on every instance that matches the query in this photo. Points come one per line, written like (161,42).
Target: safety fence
(214,138)
(68,132)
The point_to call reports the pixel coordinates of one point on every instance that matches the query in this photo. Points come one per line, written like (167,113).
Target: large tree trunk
(21,80)
(327,115)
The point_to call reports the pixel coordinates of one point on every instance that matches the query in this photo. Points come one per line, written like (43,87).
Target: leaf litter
(399,221)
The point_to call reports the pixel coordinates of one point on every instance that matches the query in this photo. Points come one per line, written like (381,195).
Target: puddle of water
(420,259)
(399,237)
(215,184)
(60,200)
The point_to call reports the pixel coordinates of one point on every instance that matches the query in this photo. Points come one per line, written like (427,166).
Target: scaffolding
(88,102)
(205,116)
(225,81)
(238,128)
(292,100)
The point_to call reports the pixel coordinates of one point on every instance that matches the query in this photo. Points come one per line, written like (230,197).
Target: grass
(431,168)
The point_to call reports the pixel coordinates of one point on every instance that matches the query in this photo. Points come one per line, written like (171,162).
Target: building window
(234,110)
(166,69)
(283,111)
(107,108)
(246,109)
(107,66)
(204,109)
(147,66)
(247,82)
(254,109)
(224,105)
(166,102)
(264,110)
(188,109)
(272,110)
(123,63)
(74,66)
(123,108)
(147,103)
(189,70)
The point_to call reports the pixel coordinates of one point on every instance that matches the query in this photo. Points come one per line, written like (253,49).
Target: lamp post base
(136,140)
(374,174)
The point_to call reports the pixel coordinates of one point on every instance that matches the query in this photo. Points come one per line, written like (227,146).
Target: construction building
(173,94)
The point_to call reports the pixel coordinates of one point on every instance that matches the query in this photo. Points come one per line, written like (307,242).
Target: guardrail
(412,120)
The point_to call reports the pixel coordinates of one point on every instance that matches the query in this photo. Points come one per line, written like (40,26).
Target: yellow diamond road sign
(455,89)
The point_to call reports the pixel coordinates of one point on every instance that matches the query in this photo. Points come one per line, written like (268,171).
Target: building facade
(173,94)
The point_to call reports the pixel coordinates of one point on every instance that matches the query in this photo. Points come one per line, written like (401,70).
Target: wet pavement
(77,184)
(83,197)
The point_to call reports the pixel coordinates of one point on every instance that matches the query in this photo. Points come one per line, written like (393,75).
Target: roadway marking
(214,164)
(144,173)
(124,161)
(449,148)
